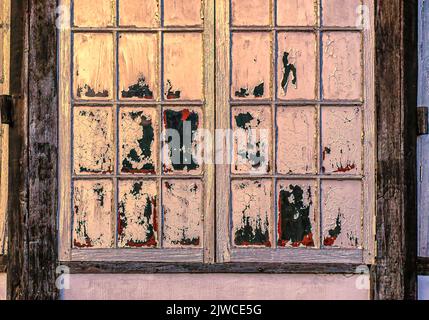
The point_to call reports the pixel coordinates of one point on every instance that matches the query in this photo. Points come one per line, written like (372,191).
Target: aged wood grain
(396,105)
(251,13)
(100,13)
(297,13)
(137,13)
(183,12)
(339,13)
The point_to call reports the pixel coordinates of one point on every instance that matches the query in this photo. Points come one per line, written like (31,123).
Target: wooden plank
(33,201)
(396,105)
(422,121)
(423,266)
(92,267)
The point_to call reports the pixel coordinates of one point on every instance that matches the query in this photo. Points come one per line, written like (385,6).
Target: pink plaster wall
(215,287)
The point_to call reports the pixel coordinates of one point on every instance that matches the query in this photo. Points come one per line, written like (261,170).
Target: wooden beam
(396,105)
(33,153)
(423,267)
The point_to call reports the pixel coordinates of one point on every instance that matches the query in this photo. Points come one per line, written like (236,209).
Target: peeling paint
(179,148)
(297,142)
(137,216)
(139,90)
(93,66)
(252,216)
(138,140)
(183,12)
(93,222)
(297,65)
(297,13)
(342,140)
(251,64)
(297,220)
(342,214)
(93,140)
(252,140)
(183,65)
(183,213)
(342,74)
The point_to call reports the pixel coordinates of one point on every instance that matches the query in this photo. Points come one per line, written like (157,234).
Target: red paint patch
(329,241)
(185,114)
(347,168)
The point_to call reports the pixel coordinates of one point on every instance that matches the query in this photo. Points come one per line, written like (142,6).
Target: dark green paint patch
(288,69)
(246,235)
(258,92)
(294,218)
(89,92)
(139,90)
(334,233)
(171,93)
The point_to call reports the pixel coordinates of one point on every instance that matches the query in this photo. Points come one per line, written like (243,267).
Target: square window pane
(252,128)
(297,66)
(183,213)
(298,224)
(251,13)
(251,65)
(138,220)
(138,140)
(183,12)
(297,13)
(98,13)
(252,213)
(182,145)
(340,13)
(341,140)
(138,66)
(183,66)
(93,146)
(342,76)
(139,13)
(342,214)
(297,140)
(93,217)
(93,66)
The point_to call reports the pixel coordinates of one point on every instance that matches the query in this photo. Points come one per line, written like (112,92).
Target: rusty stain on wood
(93,66)
(138,135)
(93,140)
(93,218)
(183,213)
(137,216)
(252,214)
(252,140)
(342,140)
(138,66)
(297,223)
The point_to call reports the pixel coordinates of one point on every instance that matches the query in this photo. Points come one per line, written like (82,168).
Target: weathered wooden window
(294,83)
(4,129)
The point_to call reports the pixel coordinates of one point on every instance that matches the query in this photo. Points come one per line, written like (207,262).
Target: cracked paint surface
(251,65)
(137,216)
(93,66)
(98,13)
(137,13)
(342,140)
(252,140)
(93,218)
(251,13)
(138,66)
(183,65)
(297,140)
(182,142)
(93,147)
(342,66)
(138,140)
(297,222)
(297,13)
(340,13)
(342,214)
(183,12)
(252,218)
(297,65)
(183,213)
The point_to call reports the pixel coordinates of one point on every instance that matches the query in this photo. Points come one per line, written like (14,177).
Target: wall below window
(216,287)
(2,286)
